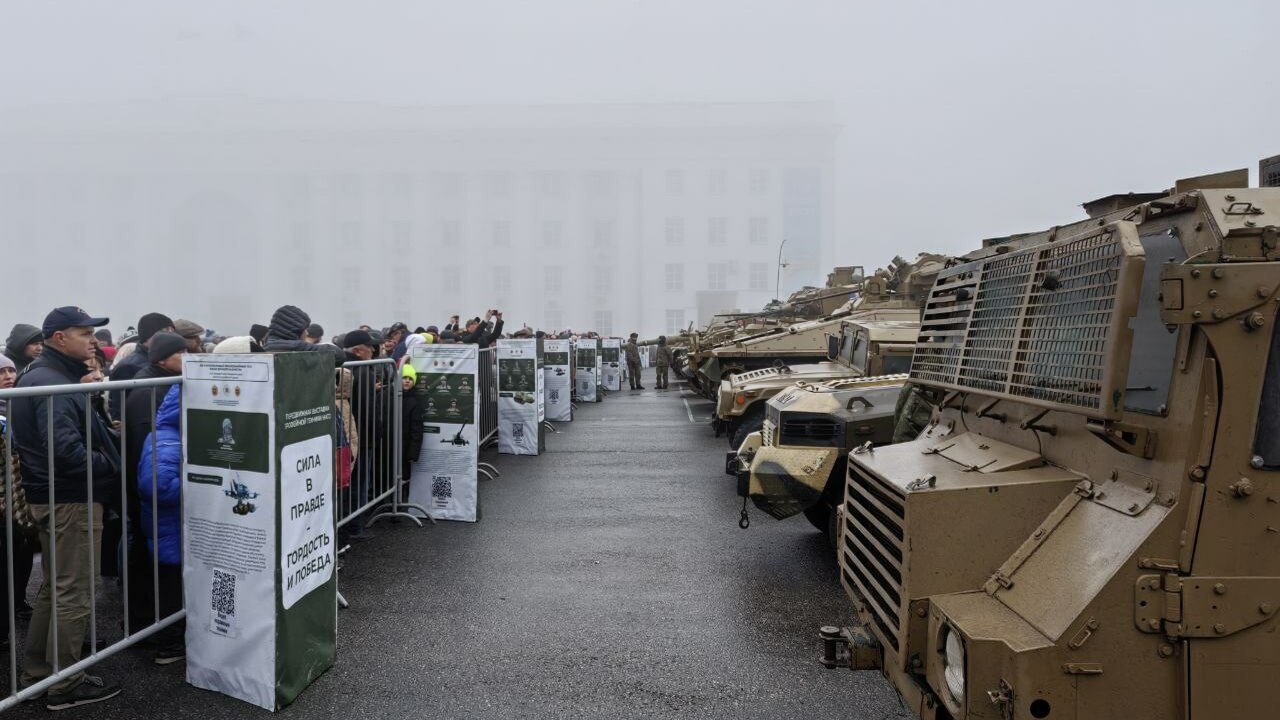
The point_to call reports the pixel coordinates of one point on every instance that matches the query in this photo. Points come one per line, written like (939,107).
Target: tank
(1089,526)
(893,293)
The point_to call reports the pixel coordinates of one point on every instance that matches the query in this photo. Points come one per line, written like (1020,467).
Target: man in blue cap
(64,533)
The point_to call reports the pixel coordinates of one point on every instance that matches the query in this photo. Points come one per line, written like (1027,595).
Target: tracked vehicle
(893,293)
(1090,526)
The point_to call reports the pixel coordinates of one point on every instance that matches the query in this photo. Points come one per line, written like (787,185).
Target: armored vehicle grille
(807,430)
(1047,324)
(871,552)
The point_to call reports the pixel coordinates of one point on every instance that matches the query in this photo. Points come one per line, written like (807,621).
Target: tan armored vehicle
(872,344)
(1090,528)
(894,293)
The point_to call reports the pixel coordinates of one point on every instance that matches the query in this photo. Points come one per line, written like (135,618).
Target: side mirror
(833,347)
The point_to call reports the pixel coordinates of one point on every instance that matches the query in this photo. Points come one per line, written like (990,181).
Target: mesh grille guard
(1047,325)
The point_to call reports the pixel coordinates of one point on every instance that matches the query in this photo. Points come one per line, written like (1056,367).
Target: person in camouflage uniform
(913,412)
(662,362)
(633,361)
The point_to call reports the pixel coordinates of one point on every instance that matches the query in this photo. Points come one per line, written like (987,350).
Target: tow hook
(852,648)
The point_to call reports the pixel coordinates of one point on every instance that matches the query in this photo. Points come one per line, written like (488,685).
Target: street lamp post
(777,280)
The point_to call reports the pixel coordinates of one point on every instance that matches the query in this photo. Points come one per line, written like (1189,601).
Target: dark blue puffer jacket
(168,454)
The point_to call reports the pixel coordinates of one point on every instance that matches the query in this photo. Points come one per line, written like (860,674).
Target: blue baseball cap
(68,317)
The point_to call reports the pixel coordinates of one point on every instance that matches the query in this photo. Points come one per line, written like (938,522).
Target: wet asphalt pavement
(606,578)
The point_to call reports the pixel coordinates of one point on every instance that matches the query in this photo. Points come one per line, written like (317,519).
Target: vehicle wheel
(819,515)
(823,517)
(751,422)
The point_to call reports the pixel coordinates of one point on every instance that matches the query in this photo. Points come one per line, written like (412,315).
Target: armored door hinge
(1203,607)
(1082,668)
(999,578)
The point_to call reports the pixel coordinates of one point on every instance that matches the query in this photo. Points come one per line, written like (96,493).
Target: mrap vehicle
(1090,526)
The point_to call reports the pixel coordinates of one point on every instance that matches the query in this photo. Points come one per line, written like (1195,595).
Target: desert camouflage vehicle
(892,293)
(873,344)
(1090,526)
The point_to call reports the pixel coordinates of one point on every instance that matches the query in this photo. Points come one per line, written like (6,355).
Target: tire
(751,422)
(823,517)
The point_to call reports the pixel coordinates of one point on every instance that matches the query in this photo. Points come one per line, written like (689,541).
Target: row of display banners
(258,453)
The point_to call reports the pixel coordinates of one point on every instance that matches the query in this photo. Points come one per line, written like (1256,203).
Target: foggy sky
(960,120)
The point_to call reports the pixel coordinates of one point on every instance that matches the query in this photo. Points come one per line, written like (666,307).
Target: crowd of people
(73,347)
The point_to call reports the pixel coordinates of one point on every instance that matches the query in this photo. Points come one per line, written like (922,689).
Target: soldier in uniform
(633,362)
(662,362)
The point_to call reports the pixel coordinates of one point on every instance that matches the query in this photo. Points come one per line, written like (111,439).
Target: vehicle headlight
(953,663)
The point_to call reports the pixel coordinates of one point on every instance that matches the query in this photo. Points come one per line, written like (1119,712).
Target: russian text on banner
(258,541)
(444,479)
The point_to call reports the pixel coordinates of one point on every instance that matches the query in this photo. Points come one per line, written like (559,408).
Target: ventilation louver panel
(1047,325)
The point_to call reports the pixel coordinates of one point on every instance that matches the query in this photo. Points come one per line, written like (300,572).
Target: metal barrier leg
(493,471)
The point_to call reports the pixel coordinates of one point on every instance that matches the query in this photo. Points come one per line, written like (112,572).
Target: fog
(586,164)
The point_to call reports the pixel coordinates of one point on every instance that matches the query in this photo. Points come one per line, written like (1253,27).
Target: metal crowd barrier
(372,492)
(488,396)
(62,608)
(374,446)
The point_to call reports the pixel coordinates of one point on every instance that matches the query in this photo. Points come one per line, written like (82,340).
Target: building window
(351,285)
(550,184)
(675,182)
(717,276)
(301,279)
(499,185)
(759,230)
(400,234)
(350,235)
(675,277)
(301,237)
(675,231)
(449,185)
(552,318)
(602,233)
(604,322)
(675,321)
(502,233)
(450,233)
(717,231)
(758,181)
(718,182)
(451,279)
(553,279)
(758,276)
(400,281)
(602,280)
(551,231)
(501,279)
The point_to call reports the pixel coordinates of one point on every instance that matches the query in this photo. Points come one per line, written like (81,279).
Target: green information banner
(586,382)
(258,547)
(520,397)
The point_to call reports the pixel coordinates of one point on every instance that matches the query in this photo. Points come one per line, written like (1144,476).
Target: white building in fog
(611,217)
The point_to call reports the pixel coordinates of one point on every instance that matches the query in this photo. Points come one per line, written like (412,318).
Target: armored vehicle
(796,462)
(1090,526)
(892,293)
(866,346)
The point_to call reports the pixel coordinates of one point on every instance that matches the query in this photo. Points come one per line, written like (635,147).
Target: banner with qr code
(258,555)
(611,358)
(444,478)
(520,397)
(586,378)
(557,380)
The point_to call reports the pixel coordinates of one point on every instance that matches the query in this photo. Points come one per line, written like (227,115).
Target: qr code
(223,593)
(517,431)
(554,395)
(442,486)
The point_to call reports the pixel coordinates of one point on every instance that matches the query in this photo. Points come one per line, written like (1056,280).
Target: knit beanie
(163,345)
(289,321)
(150,324)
